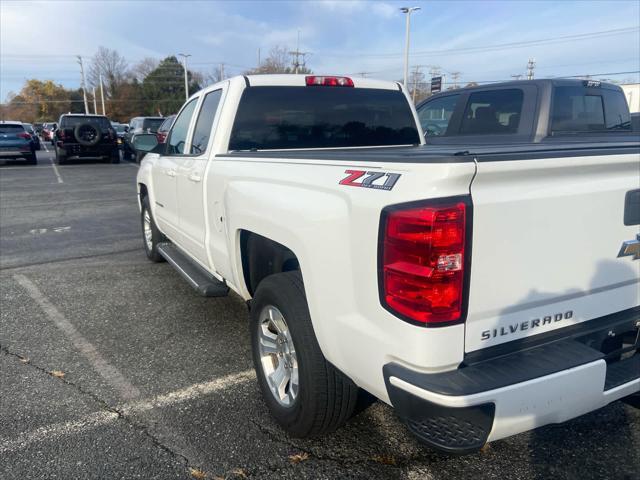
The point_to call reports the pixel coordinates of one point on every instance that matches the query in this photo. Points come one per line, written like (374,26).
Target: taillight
(423,260)
(24,135)
(314,80)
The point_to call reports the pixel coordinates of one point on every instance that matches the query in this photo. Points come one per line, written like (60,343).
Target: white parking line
(55,170)
(110,373)
(45,146)
(96,419)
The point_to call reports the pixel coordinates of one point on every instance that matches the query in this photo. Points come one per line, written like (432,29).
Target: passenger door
(164,174)
(191,172)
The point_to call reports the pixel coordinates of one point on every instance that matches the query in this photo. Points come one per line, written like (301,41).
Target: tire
(325,399)
(32,159)
(126,153)
(83,127)
(60,158)
(156,236)
(633,400)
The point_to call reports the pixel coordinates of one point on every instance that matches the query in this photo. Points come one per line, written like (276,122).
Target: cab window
(493,111)
(204,123)
(178,134)
(435,115)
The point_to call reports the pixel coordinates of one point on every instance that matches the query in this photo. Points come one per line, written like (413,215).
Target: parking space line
(97,419)
(110,373)
(55,170)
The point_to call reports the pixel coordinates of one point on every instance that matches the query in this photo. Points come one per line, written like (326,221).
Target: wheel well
(262,257)
(143,191)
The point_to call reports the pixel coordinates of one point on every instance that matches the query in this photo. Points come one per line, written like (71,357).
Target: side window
(178,133)
(493,111)
(202,132)
(616,111)
(434,115)
(576,111)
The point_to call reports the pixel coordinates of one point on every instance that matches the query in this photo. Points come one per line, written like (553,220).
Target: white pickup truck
(482,291)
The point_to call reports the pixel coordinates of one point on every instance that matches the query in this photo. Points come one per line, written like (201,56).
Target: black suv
(139,125)
(86,136)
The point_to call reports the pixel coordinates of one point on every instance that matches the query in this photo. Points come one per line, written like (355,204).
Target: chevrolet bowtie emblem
(631,247)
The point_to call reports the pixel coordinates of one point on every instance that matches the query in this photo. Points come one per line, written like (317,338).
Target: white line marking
(55,170)
(110,373)
(97,419)
(45,146)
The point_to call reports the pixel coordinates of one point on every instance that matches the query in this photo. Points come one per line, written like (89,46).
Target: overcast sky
(40,39)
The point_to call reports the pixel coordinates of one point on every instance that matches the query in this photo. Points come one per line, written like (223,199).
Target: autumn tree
(40,101)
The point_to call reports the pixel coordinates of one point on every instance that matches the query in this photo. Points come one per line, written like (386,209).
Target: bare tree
(277,62)
(143,68)
(111,65)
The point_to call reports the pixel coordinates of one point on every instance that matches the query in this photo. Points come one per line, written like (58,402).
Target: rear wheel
(305,393)
(151,236)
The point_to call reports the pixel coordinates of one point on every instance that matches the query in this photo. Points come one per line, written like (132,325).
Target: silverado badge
(631,247)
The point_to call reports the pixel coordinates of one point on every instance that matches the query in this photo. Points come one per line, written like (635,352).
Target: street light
(186,81)
(407,11)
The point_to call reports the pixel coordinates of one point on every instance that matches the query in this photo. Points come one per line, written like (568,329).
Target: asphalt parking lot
(112,367)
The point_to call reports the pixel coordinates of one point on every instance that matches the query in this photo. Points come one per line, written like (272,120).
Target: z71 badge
(362,178)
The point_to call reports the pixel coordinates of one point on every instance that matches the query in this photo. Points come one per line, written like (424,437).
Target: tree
(113,68)
(143,68)
(40,101)
(163,88)
(277,62)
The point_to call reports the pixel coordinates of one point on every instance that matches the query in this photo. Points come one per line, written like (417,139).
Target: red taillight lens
(314,80)
(24,135)
(423,261)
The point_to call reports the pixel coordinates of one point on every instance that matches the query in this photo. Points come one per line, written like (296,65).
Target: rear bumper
(77,150)
(460,410)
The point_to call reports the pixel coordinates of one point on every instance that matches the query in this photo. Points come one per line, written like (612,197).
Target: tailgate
(547,234)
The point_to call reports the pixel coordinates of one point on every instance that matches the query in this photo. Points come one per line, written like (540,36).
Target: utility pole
(95,104)
(258,57)
(454,77)
(221,71)
(407,11)
(84,90)
(296,57)
(531,64)
(186,79)
(415,82)
(102,95)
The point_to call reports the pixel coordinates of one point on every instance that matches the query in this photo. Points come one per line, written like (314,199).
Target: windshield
(322,117)
(11,128)
(118,127)
(152,124)
(72,122)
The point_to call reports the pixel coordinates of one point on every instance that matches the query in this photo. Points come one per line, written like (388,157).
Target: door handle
(170,172)
(194,177)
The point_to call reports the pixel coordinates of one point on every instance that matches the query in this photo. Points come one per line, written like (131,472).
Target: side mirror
(145,142)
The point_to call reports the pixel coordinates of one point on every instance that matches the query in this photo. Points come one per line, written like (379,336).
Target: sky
(41,39)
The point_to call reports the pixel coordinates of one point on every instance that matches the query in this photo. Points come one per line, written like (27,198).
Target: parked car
(139,125)
(635,121)
(538,111)
(38,128)
(47,131)
(481,289)
(121,129)
(34,136)
(163,129)
(86,136)
(16,142)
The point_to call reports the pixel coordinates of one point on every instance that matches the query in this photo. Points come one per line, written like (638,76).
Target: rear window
(576,109)
(493,111)
(321,117)
(435,115)
(152,124)
(11,128)
(72,122)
